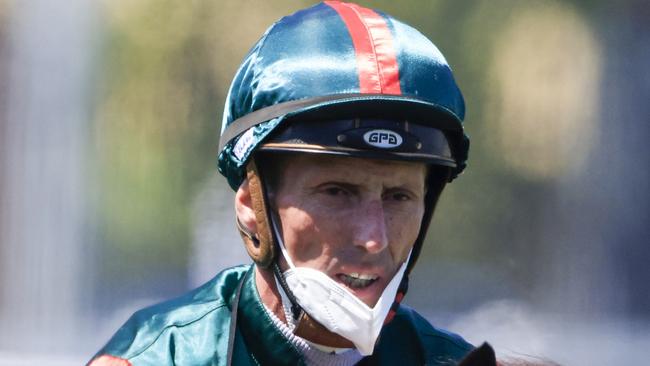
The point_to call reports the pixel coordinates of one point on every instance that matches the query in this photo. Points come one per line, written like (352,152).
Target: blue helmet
(338,78)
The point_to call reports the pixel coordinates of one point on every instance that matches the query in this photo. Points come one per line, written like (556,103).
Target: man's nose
(372,232)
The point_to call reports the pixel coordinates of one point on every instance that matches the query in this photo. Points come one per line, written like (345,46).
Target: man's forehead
(340,160)
(326,164)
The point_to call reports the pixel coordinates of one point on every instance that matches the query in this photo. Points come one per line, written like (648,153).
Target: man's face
(354,219)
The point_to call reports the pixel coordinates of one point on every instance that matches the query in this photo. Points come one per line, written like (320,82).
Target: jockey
(340,130)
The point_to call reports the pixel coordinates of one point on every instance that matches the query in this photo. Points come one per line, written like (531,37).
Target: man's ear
(244,208)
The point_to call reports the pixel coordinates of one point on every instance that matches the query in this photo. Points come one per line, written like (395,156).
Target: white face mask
(336,308)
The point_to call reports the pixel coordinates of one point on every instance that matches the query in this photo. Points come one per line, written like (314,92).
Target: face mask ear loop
(296,310)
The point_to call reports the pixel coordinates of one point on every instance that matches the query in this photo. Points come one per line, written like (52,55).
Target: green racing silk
(194,330)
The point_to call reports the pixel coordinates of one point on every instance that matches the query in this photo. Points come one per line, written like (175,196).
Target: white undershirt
(315,354)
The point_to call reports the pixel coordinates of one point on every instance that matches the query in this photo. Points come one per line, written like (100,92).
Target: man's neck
(265,282)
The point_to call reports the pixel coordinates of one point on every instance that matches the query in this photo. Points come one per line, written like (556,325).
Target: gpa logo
(385,139)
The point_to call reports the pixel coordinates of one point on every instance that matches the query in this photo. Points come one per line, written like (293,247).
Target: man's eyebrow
(347,185)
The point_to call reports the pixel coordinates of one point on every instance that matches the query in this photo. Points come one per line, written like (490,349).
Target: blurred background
(110,201)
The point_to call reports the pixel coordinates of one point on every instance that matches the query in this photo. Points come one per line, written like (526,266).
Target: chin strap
(401,292)
(436,180)
(296,310)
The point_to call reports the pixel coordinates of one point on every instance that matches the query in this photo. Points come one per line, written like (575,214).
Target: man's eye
(398,196)
(335,191)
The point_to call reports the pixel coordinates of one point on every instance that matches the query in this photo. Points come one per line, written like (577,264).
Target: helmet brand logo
(244,144)
(385,139)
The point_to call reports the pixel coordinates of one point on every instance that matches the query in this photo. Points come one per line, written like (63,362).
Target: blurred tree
(167,66)
(158,99)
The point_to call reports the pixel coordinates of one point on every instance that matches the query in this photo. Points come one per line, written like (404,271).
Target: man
(341,128)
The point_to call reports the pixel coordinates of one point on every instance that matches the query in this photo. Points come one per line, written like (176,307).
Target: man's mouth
(357,280)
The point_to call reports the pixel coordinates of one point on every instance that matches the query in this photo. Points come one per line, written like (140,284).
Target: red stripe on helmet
(373,46)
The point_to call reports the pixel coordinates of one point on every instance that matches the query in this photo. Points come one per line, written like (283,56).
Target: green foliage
(156,129)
